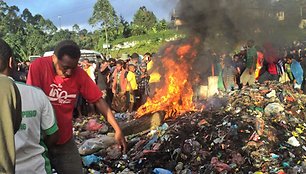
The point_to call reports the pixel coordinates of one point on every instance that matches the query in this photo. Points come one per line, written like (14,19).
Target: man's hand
(107,112)
(103,67)
(78,120)
(121,141)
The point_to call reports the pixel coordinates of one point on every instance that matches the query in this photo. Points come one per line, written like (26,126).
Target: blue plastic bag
(161,171)
(91,159)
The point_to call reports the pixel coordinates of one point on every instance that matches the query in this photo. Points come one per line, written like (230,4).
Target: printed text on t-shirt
(57,94)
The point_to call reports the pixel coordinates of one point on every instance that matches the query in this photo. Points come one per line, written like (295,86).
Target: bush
(150,42)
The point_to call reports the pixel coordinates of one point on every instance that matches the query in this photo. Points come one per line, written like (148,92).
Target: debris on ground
(259,129)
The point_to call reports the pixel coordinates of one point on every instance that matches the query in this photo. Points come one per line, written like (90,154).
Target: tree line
(30,34)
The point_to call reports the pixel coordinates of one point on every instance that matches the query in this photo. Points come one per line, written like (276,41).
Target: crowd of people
(260,64)
(124,82)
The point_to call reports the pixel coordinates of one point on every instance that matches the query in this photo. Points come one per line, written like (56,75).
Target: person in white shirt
(38,130)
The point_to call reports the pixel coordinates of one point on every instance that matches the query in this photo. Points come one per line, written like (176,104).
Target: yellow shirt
(91,72)
(132,84)
(150,65)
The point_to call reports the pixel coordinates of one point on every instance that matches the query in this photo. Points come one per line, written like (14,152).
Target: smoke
(225,25)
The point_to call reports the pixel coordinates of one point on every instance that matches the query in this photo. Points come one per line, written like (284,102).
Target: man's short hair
(289,56)
(104,61)
(112,60)
(120,62)
(251,41)
(5,53)
(86,60)
(67,47)
(134,56)
(148,54)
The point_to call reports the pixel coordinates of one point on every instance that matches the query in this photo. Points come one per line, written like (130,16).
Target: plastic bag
(161,171)
(93,145)
(93,125)
(90,159)
(219,166)
(273,109)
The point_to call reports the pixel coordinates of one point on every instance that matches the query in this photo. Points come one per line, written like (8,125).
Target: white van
(91,55)
(32,58)
(48,53)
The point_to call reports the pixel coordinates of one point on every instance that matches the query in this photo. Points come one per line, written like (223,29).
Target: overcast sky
(69,12)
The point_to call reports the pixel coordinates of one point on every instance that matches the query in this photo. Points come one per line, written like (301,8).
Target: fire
(175,96)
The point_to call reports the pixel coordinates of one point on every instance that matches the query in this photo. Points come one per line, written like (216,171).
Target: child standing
(131,86)
(143,83)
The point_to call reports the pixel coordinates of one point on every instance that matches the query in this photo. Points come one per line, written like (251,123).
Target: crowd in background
(260,64)
(124,82)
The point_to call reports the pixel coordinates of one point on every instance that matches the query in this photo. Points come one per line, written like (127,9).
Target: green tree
(27,16)
(105,16)
(76,28)
(144,18)
(161,26)
(124,28)
(83,32)
(138,30)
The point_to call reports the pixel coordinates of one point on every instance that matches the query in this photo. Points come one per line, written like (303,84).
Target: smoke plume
(225,25)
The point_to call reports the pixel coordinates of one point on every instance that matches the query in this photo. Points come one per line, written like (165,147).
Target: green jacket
(10,118)
(251,57)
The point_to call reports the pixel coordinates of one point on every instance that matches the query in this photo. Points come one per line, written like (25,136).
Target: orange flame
(175,97)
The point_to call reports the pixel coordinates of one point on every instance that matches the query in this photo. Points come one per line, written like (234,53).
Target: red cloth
(62,92)
(272,68)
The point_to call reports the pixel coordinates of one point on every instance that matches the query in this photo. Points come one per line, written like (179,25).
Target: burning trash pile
(260,129)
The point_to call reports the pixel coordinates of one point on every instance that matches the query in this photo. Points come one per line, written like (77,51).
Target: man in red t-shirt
(62,80)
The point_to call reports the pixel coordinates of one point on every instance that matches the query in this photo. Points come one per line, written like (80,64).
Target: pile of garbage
(259,129)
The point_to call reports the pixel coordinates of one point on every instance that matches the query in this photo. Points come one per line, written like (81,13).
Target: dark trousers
(65,158)
(109,96)
(266,76)
(141,98)
(304,85)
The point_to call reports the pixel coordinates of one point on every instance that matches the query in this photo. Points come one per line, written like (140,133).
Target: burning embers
(176,94)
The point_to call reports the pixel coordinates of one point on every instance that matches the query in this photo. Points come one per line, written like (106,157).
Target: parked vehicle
(91,55)
(32,58)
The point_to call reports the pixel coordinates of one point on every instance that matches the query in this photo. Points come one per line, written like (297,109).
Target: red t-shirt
(62,92)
